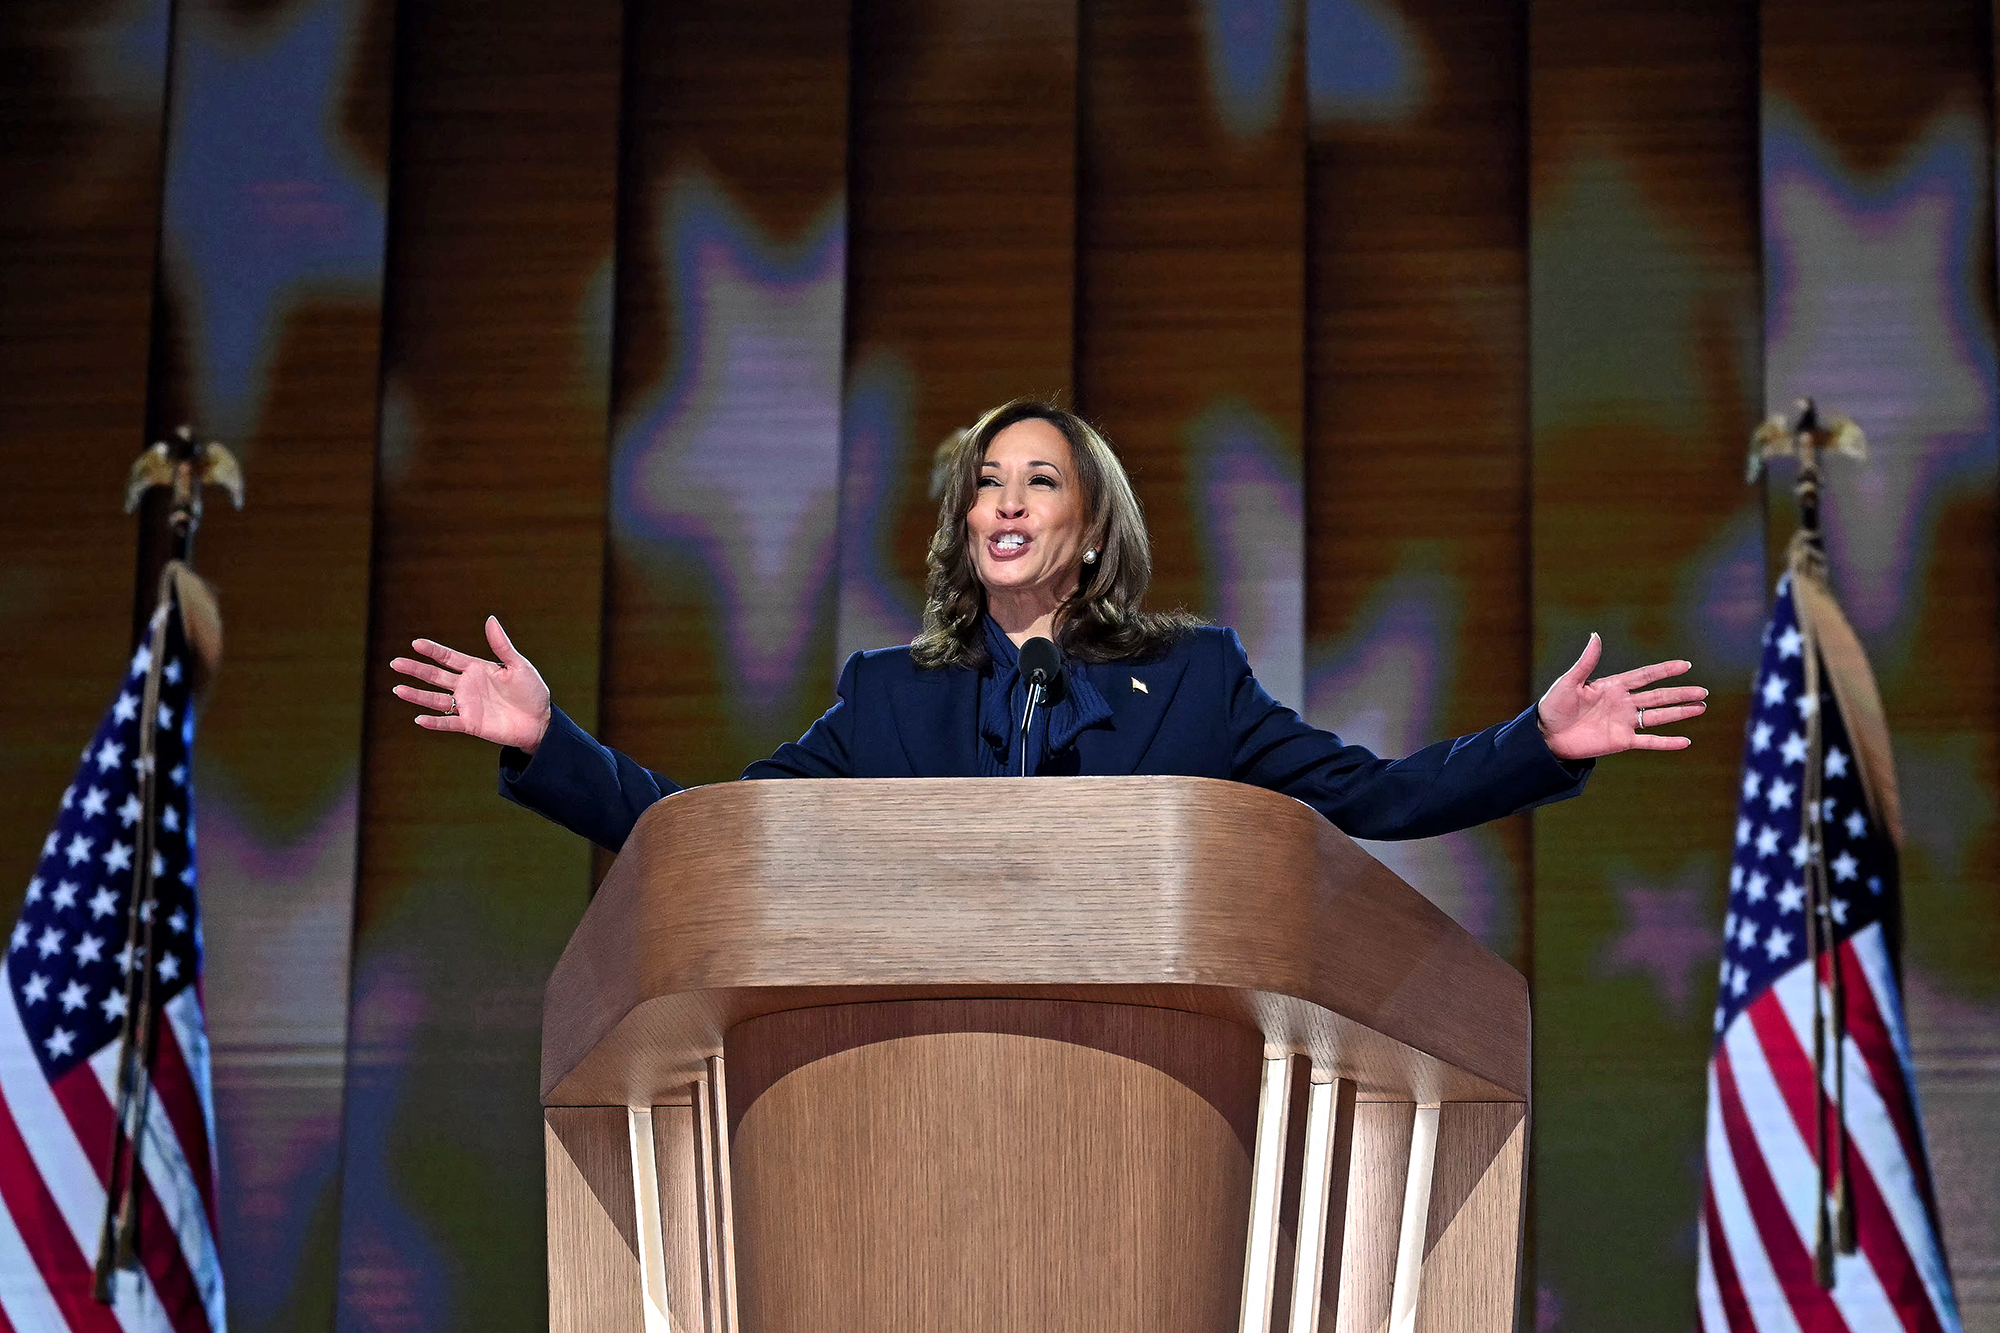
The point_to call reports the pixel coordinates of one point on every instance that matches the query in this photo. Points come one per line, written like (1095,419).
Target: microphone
(1040,662)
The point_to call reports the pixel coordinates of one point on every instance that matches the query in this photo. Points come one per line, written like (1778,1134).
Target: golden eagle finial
(187,467)
(1812,431)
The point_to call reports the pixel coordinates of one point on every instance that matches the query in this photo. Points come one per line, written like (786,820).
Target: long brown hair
(1102,620)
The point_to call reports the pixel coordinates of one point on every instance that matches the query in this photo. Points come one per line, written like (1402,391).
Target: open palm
(505,702)
(1588,719)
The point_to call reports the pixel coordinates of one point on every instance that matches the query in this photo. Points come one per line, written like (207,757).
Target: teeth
(1011,541)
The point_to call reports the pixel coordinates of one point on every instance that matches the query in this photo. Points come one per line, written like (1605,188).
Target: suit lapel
(1136,712)
(937,723)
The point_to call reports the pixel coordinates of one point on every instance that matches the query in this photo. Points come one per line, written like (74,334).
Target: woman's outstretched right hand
(505,702)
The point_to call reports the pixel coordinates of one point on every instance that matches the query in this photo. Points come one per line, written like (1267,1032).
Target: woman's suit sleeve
(591,789)
(1441,788)
(581,783)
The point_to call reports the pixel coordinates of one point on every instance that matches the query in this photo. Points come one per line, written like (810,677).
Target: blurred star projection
(1250,497)
(727,474)
(1874,294)
(257,224)
(1384,684)
(1363,63)
(1249,44)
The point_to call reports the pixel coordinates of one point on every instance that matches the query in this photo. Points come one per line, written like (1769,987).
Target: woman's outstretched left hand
(1587,719)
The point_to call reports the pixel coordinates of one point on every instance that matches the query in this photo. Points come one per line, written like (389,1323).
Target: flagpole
(117,1245)
(183,467)
(1833,1211)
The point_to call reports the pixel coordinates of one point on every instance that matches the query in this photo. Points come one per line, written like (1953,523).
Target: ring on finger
(1642,719)
(451,706)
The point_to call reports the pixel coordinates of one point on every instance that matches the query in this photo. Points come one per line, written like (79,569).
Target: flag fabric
(77,958)
(1816,827)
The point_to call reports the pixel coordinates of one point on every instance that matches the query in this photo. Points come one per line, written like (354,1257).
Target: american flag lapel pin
(1139,686)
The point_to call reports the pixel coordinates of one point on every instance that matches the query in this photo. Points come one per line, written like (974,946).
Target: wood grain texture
(989,1181)
(722,1192)
(268,334)
(1645,368)
(1417,415)
(1417,390)
(79,221)
(594,1279)
(675,1161)
(1472,1241)
(707,1184)
(1317,1271)
(488,497)
(732,165)
(1191,267)
(1211,896)
(1204,1053)
(1297,1115)
(1378,1166)
(961,263)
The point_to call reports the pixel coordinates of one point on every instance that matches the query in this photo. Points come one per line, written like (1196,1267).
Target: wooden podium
(1103,1054)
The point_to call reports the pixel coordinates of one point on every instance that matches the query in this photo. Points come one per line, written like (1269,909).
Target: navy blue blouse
(1073,703)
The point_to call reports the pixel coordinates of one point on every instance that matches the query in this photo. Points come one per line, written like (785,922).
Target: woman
(1040,536)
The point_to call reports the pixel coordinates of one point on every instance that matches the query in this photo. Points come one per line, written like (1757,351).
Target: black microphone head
(1039,661)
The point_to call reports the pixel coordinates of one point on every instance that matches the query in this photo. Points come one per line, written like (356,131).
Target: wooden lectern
(1090,1054)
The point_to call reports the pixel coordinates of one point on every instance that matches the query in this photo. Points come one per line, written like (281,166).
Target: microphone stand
(1040,660)
(1028,719)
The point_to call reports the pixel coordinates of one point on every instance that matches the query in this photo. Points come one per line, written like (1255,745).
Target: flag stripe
(181,1103)
(1902,1223)
(1875,1229)
(1763,1292)
(90,1112)
(25,1302)
(66,1172)
(64,1265)
(1869,1027)
(183,1220)
(1790,1258)
(1886,990)
(1794,1175)
(1722,1306)
(187,1016)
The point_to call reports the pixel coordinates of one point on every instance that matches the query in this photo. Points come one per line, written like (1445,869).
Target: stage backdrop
(1432,334)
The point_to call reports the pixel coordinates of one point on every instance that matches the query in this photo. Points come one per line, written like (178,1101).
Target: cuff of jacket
(528,779)
(1545,778)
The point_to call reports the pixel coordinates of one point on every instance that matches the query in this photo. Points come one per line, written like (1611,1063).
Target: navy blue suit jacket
(1196,710)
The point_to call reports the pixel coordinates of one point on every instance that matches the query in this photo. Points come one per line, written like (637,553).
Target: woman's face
(1026,522)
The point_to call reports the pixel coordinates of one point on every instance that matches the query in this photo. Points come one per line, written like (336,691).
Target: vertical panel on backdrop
(1190,300)
(1416,457)
(1879,270)
(1644,368)
(489,499)
(267,336)
(732,240)
(79,224)
(961,259)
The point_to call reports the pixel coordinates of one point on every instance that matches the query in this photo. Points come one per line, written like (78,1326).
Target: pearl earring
(1090,556)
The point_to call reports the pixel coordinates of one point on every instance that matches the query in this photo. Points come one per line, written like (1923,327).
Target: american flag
(76,960)
(1770,1214)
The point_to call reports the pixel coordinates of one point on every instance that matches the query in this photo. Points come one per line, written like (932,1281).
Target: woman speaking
(1040,537)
